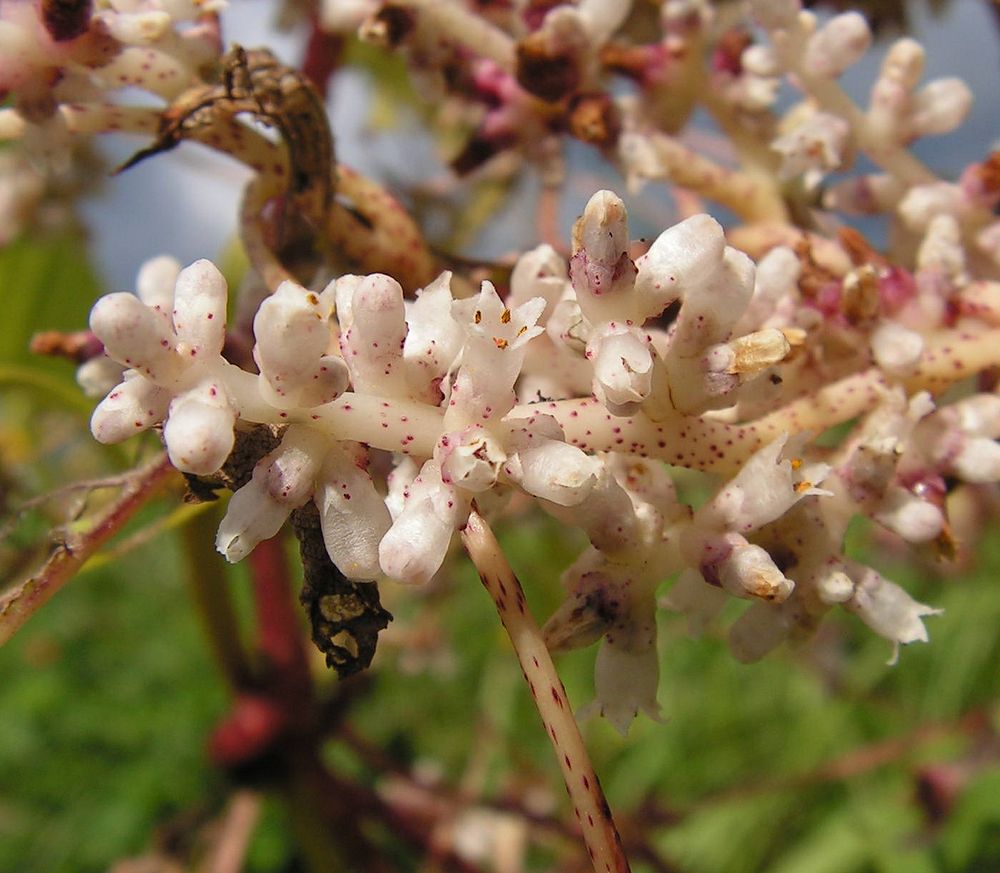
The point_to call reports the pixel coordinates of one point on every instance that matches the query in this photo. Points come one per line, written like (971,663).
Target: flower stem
(208,587)
(604,845)
(69,556)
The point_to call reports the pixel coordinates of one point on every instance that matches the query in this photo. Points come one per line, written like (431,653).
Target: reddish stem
(279,635)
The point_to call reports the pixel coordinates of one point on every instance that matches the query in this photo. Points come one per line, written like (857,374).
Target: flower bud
(155,282)
(414,547)
(134,335)
(749,571)
(199,430)
(896,349)
(837,45)
(923,203)
(978,460)
(199,311)
(748,355)
(939,107)
(760,60)
(130,408)
(623,366)
(681,258)
(98,376)
(834,587)
(353,515)
(904,63)
(818,143)
(292,334)
(914,519)
(553,470)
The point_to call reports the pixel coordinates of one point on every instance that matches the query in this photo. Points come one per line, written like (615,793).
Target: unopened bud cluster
(598,372)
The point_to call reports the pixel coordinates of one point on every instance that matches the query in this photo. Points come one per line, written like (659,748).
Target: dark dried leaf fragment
(345,616)
(548,72)
(65,19)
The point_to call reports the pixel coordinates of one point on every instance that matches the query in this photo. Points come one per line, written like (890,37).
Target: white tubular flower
(199,429)
(625,683)
(708,382)
(373,332)
(415,546)
(978,415)
(130,408)
(775,285)
(683,257)
(816,144)
(978,460)
(606,514)
(710,309)
(623,367)
(905,513)
(887,609)
(353,516)
(837,45)
(281,481)
(293,335)
(766,487)
(941,255)
(470,458)
(495,340)
(433,339)
(136,28)
(546,466)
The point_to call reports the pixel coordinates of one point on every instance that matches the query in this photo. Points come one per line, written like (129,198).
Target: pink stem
(604,845)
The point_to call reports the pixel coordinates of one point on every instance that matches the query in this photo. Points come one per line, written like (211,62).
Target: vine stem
(603,842)
(72,553)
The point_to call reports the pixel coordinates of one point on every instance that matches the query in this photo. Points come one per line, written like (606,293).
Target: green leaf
(45,284)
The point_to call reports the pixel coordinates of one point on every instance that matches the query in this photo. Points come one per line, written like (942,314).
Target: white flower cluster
(432,385)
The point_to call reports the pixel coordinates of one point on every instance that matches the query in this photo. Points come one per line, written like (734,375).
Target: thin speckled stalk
(69,556)
(592,811)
